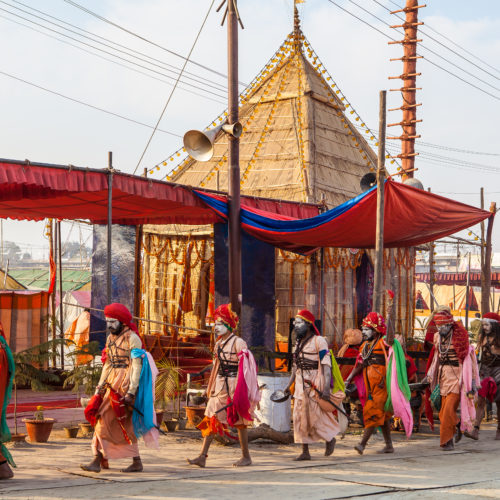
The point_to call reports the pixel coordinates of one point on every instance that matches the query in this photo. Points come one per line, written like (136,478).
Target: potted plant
(71,430)
(28,373)
(39,427)
(166,390)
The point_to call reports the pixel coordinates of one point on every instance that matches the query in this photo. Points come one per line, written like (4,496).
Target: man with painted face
(453,370)
(372,362)
(232,389)
(312,370)
(488,346)
(114,435)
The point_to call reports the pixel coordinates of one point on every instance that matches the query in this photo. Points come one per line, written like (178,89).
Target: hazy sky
(40,126)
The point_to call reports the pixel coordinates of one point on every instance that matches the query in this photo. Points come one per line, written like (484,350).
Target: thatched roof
(298,142)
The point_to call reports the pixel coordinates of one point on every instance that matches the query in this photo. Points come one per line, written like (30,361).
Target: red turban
(121,313)
(308,317)
(492,317)
(443,318)
(375,321)
(225,314)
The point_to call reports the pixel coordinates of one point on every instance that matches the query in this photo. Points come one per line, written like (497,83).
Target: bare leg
(481,406)
(95,465)
(305,455)
(135,466)
(5,470)
(245,452)
(201,460)
(367,434)
(386,432)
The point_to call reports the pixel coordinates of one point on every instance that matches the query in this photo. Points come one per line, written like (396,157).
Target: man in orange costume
(78,332)
(232,389)
(372,362)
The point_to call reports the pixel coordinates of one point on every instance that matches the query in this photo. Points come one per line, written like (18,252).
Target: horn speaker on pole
(368,181)
(200,144)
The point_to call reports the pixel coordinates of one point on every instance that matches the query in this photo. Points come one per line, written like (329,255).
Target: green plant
(28,368)
(84,376)
(167,384)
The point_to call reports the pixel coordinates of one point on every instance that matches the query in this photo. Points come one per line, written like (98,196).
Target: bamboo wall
(164,278)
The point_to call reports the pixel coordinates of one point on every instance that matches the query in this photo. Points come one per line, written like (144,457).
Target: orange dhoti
(448,417)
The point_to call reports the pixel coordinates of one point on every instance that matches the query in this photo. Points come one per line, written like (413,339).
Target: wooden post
(233,161)
(378,295)
(61,311)
(52,243)
(467,296)
(110,227)
(486,270)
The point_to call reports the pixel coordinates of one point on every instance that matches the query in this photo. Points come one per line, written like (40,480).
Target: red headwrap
(308,317)
(492,317)
(225,314)
(443,318)
(121,313)
(375,321)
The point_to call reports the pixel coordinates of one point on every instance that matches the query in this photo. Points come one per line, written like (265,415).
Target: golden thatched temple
(302,141)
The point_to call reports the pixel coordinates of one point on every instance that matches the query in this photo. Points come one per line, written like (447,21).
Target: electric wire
(170,84)
(106,52)
(175,86)
(59,94)
(144,39)
(174,69)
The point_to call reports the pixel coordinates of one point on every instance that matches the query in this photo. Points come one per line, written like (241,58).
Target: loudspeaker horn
(411,181)
(200,144)
(368,181)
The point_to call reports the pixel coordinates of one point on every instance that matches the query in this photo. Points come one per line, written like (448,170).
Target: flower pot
(71,432)
(194,414)
(171,425)
(18,438)
(181,423)
(159,417)
(39,430)
(86,429)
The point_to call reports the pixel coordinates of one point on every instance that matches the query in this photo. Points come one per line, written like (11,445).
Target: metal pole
(110,225)
(379,237)
(322,290)
(484,308)
(233,162)
(61,315)
(485,299)
(467,299)
(52,243)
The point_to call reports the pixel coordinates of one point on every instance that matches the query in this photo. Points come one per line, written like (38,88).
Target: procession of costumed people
(460,381)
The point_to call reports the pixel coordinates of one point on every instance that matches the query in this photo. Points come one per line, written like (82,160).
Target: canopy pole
(61,312)
(467,296)
(486,270)
(378,296)
(235,296)
(110,225)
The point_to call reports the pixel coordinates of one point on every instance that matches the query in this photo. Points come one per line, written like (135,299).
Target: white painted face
(444,329)
(368,333)
(220,328)
(113,325)
(300,326)
(486,326)
(298,322)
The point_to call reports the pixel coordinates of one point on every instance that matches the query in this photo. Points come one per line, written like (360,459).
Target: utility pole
(432,247)
(485,296)
(483,245)
(409,89)
(378,296)
(233,159)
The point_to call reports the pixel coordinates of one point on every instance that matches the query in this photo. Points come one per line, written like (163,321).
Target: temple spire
(297,32)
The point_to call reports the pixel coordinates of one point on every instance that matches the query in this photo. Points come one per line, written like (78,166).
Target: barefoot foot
(302,456)
(93,466)
(388,448)
(199,461)
(330,447)
(243,462)
(135,466)
(5,471)
(497,437)
(359,448)
(449,446)
(474,434)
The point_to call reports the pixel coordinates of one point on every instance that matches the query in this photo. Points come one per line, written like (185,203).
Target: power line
(109,60)
(175,86)
(175,69)
(94,14)
(425,59)
(85,103)
(105,51)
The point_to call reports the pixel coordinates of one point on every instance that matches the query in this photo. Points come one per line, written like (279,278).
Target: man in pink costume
(232,389)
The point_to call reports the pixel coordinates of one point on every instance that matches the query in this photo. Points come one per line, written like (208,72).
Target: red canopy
(34,191)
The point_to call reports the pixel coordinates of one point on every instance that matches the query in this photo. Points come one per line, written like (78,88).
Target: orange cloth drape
(448,417)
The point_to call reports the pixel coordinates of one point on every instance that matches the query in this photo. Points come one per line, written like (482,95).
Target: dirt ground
(418,469)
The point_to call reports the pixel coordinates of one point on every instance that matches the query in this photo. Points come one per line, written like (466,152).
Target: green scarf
(401,374)
(338,381)
(4,429)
